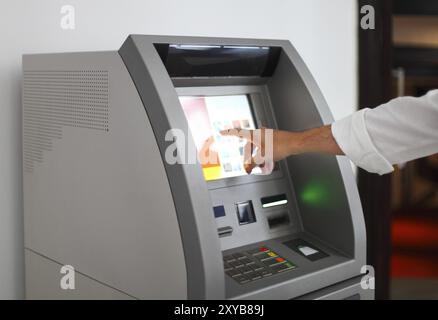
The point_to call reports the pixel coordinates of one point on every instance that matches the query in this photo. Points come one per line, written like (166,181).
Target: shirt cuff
(354,140)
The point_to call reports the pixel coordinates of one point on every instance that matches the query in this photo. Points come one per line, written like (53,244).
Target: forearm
(318,140)
(400,130)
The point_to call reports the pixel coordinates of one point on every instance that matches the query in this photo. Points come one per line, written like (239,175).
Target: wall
(324,32)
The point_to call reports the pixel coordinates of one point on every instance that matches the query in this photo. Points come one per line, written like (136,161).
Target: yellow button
(272,254)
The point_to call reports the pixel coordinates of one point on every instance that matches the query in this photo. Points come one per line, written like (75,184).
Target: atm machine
(113,202)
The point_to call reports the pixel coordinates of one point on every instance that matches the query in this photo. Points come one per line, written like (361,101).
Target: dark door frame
(375,65)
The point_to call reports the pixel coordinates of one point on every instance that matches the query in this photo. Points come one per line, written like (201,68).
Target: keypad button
(236,264)
(245,269)
(227,266)
(241,279)
(254,275)
(290,265)
(272,254)
(282,267)
(265,273)
(229,258)
(233,273)
(246,260)
(257,267)
(254,252)
(239,255)
(270,262)
(263,256)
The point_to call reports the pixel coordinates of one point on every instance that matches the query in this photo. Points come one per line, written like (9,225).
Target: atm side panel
(96,196)
(41,283)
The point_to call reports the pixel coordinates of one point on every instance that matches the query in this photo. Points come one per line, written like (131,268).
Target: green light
(315,193)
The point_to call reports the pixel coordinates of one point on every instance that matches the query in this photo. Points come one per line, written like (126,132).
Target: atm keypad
(255,264)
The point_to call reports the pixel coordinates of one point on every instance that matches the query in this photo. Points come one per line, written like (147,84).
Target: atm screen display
(207,116)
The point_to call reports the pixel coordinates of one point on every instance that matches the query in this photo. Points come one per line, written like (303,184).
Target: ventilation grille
(55,99)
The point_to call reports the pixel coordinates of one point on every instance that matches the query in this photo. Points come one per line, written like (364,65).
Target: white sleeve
(401,130)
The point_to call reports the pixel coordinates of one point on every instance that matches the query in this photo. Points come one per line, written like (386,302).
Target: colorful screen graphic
(207,116)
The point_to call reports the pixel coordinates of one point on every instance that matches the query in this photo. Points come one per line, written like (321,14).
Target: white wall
(324,32)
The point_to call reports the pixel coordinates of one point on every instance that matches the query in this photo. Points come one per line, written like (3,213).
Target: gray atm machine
(101,199)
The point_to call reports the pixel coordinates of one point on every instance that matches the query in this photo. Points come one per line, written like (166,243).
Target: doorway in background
(401,209)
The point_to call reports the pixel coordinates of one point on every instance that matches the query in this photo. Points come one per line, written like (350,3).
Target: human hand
(263,148)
